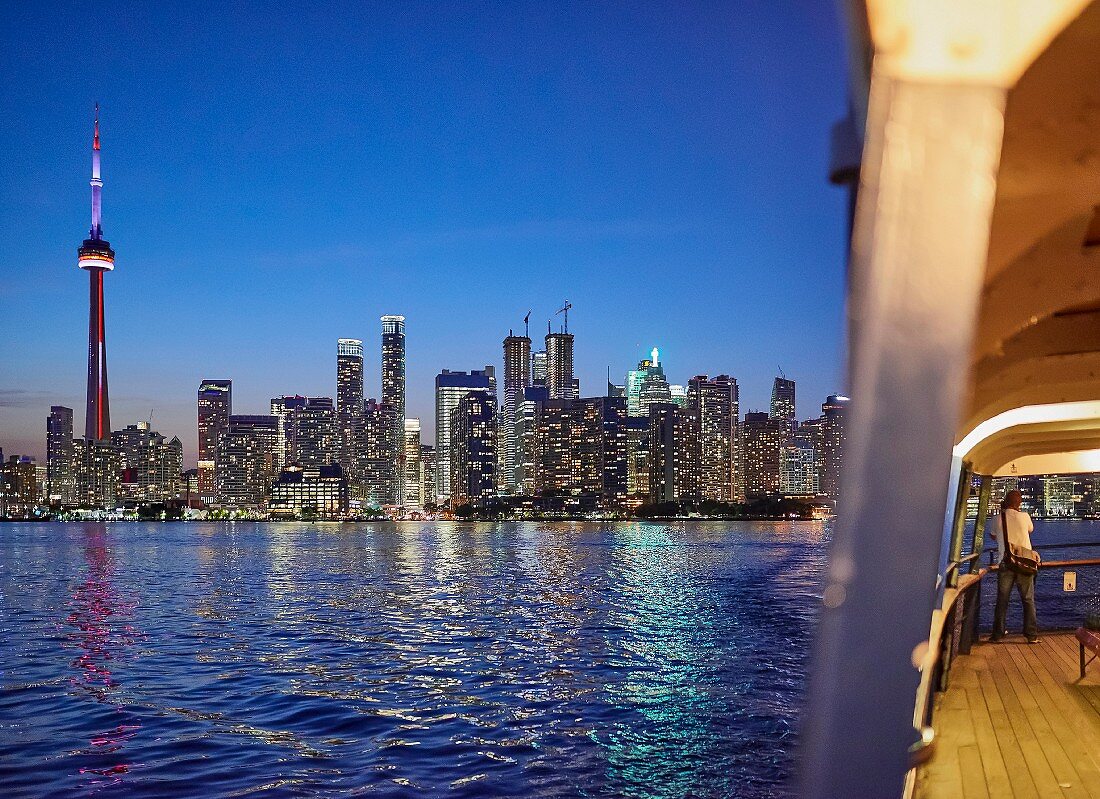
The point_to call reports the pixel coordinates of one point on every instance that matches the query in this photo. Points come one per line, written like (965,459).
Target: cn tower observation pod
(974,343)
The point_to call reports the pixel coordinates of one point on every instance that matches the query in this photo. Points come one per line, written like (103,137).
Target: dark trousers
(1025,584)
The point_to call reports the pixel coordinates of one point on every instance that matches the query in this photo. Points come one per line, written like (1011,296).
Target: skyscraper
(538,368)
(349,400)
(783,402)
(60,457)
(473,449)
(450,387)
(378,483)
(427,475)
(654,387)
(247,461)
(834,424)
(717,411)
(315,437)
(559,366)
(393,388)
(151,465)
(411,498)
(581,449)
(673,453)
(763,437)
(96,257)
(633,386)
(517,377)
(215,404)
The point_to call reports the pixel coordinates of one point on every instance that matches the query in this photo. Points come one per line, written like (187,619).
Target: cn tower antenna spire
(96,182)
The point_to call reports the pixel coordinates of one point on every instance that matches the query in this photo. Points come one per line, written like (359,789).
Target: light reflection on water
(656,660)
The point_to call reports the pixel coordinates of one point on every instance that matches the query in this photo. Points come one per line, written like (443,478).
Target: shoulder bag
(1018,559)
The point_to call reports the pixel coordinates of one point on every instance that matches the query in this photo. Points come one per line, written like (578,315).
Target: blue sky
(276,181)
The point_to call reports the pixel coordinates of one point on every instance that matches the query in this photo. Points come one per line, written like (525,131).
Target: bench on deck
(1090,640)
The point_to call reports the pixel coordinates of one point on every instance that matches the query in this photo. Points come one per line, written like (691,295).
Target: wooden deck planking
(1016,721)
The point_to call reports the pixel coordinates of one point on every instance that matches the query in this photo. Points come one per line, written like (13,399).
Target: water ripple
(536,660)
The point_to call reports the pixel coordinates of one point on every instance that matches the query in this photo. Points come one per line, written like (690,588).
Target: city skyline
(220,260)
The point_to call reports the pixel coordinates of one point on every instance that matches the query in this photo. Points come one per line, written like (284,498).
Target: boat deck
(1017,722)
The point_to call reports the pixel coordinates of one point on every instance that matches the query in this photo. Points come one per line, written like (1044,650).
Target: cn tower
(97,257)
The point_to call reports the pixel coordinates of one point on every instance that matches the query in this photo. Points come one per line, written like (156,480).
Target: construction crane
(527,325)
(565,310)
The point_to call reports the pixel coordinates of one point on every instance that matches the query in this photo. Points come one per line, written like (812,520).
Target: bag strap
(1004,532)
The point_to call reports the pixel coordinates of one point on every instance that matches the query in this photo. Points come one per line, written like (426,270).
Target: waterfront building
(674,473)
(526,420)
(247,462)
(60,457)
(581,449)
(150,465)
(97,473)
(377,482)
(763,437)
(427,475)
(285,408)
(349,400)
(517,378)
(798,468)
(559,366)
(450,387)
(96,257)
(309,429)
(783,401)
(716,406)
(189,487)
(834,425)
(473,449)
(309,492)
(637,459)
(1058,497)
(412,495)
(393,390)
(538,368)
(19,492)
(215,404)
(647,385)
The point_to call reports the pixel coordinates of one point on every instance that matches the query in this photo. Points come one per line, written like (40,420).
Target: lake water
(519,660)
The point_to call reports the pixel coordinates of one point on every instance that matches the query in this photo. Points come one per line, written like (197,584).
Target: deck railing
(956,625)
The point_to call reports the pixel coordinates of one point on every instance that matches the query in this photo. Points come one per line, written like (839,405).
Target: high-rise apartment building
(637,459)
(526,425)
(450,387)
(97,473)
(783,401)
(215,404)
(151,465)
(717,409)
(559,366)
(314,431)
(19,492)
(411,498)
(834,424)
(674,474)
(377,482)
(763,437)
(473,452)
(798,467)
(60,457)
(581,449)
(517,378)
(393,389)
(285,408)
(248,455)
(538,368)
(349,400)
(427,475)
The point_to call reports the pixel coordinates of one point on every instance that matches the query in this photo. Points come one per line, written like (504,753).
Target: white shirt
(1019,526)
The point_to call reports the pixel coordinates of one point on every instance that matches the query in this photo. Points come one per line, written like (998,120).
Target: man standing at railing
(1015,525)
